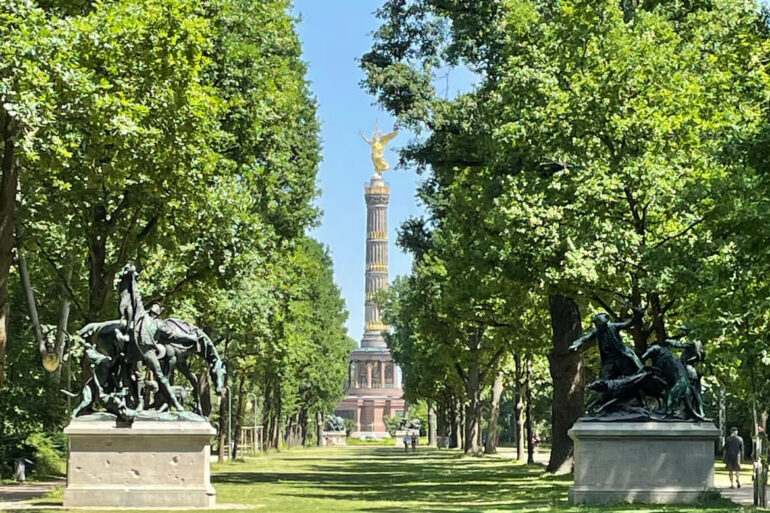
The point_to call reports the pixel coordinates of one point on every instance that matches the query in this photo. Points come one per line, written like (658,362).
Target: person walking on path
(407,441)
(414,441)
(733,454)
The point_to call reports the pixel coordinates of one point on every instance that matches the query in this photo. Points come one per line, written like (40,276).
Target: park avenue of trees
(179,135)
(613,155)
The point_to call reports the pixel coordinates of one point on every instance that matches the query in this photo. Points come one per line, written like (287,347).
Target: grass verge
(385,480)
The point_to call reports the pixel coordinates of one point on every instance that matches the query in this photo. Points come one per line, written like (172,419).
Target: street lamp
(248,397)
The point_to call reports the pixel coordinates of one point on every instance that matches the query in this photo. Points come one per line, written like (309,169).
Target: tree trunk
(8,186)
(530,433)
(99,284)
(267,414)
(289,436)
(460,426)
(453,421)
(237,424)
(29,296)
(519,407)
(494,413)
(319,429)
(658,317)
(223,423)
(431,424)
(223,413)
(473,410)
(722,419)
(758,453)
(303,421)
(204,386)
(275,435)
(441,422)
(638,330)
(566,369)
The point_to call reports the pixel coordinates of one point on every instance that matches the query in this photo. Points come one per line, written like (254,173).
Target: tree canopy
(608,154)
(181,136)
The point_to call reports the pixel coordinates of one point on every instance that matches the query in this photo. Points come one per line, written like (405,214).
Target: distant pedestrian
(733,455)
(535,443)
(414,442)
(447,442)
(20,469)
(407,441)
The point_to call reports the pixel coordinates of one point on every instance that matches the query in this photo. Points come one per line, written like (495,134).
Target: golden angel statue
(378,144)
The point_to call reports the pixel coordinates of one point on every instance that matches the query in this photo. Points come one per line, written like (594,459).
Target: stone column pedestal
(335,438)
(646,462)
(151,464)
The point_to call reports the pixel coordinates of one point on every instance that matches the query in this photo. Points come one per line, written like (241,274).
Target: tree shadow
(385,480)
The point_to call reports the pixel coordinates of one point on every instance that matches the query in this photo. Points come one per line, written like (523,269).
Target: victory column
(373,388)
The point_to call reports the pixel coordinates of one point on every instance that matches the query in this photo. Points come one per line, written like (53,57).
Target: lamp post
(248,397)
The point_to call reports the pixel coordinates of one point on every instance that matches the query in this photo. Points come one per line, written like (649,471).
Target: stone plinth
(151,464)
(335,438)
(645,462)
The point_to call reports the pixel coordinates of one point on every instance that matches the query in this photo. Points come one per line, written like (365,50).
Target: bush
(350,425)
(50,457)
(392,424)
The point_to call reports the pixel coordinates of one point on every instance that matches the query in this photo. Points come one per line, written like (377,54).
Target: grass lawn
(385,480)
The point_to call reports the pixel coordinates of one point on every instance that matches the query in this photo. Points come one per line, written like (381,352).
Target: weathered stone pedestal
(645,462)
(151,464)
(335,438)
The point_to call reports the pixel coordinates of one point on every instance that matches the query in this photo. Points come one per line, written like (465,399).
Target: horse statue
(176,349)
(118,351)
(143,327)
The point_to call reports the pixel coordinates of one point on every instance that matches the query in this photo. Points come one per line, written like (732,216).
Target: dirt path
(13,495)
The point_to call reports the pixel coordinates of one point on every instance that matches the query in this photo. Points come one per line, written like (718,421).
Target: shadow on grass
(385,480)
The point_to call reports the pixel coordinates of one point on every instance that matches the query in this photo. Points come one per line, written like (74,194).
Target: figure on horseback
(121,350)
(144,332)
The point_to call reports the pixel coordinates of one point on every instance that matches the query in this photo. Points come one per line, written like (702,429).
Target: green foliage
(610,151)
(350,426)
(50,457)
(392,424)
(181,136)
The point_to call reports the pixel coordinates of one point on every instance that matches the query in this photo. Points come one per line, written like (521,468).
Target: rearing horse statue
(144,332)
(178,349)
(141,338)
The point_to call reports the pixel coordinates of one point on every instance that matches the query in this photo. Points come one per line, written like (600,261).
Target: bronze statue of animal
(681,396)
(646,383)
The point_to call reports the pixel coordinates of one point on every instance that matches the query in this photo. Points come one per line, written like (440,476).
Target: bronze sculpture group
(667,388)
(134,358)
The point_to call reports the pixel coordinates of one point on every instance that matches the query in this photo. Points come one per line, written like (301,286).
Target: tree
(177,135)
(567,377)
(593,152)
(35,58)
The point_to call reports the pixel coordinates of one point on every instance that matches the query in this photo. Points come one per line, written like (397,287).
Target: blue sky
(334,34)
